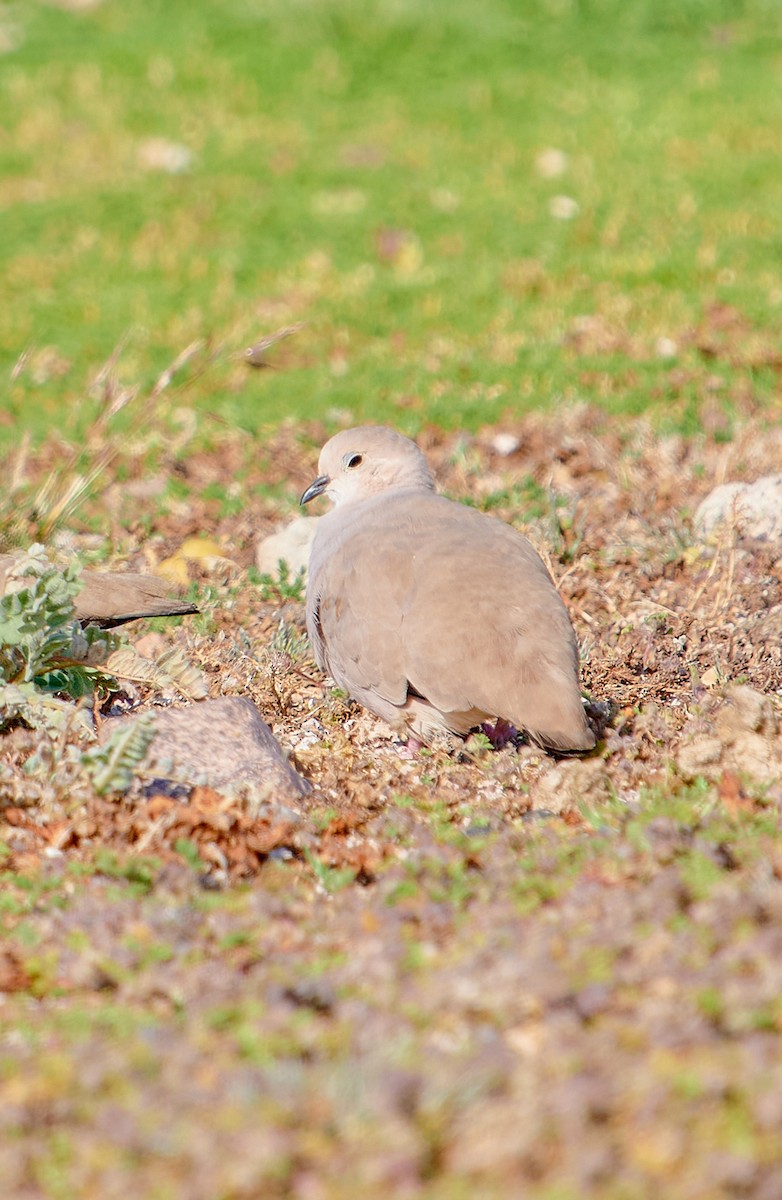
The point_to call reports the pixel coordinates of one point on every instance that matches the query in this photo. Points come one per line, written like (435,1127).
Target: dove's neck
(374,485)
(416,478)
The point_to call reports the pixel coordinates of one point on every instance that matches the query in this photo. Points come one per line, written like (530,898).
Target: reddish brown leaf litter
(220,833)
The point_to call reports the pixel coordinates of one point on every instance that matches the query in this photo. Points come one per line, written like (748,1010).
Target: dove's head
(358,463)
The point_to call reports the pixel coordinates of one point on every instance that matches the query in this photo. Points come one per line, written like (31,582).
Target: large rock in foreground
(222,744)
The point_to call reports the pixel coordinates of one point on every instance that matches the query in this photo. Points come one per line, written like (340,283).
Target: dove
(109,598)
(431,614)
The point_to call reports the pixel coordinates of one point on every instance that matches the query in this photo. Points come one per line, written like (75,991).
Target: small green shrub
(45,653)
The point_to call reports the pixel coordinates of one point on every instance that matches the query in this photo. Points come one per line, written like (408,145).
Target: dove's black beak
(316,488)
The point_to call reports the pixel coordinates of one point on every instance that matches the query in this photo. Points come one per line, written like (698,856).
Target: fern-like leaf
(113,765)
(171,670)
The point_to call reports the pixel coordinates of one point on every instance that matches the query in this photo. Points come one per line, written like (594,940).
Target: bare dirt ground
(463,973)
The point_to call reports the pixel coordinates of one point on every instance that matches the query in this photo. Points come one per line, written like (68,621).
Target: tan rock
(222,744)
(739,732)
(753,509)
(291,545)
(569,782)
(758,757)
(699,757)
(762,626)
(745,709)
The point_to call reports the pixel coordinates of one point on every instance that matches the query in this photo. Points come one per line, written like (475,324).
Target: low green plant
(48,659)
(45,653)
(331,879)
(285,586)
(190,853)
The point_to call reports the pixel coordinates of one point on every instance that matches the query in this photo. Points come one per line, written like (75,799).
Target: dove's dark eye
(353,460)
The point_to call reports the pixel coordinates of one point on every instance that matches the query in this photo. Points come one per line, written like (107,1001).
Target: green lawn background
(382,172)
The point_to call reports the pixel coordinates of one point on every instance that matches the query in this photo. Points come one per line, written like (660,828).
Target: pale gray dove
(432,614)
(109,598)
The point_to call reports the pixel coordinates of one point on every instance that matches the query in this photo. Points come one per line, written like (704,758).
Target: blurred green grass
(383,172)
